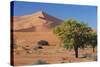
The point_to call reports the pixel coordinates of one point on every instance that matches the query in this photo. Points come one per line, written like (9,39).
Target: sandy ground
(52,55)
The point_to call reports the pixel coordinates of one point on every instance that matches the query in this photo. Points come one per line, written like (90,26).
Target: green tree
(93,40)
(73,34)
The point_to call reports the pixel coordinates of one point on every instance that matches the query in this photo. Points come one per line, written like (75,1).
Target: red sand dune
(34,27)
(40,21)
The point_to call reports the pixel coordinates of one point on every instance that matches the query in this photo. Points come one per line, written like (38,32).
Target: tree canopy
(73,34)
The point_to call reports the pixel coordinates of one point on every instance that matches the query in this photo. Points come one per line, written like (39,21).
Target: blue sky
(88,14)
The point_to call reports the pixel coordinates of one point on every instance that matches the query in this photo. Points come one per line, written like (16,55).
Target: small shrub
(41,62)
(63,62)
(95,58)
(43,43)
(40,47)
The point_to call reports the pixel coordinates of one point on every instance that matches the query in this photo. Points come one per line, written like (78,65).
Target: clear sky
(88,14)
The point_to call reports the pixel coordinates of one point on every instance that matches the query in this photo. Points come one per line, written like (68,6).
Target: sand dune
(40,21)
(29,29)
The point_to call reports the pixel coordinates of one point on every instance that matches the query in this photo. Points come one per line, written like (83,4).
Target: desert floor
(52,55)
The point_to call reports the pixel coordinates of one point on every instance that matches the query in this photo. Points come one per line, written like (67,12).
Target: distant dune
(29,29)
(39,21)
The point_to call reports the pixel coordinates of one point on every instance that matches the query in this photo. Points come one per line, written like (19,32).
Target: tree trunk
(76,51)
(93,49)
